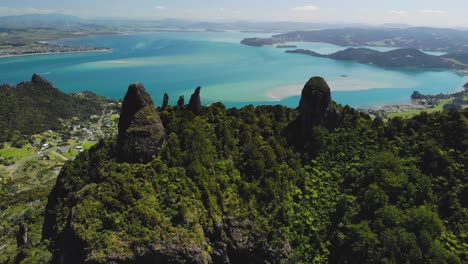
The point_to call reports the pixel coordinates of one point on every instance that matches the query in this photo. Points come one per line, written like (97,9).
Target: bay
(237,75)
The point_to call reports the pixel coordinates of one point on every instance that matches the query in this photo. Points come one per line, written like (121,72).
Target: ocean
(237,75)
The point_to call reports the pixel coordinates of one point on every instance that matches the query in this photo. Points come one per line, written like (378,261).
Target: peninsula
(403,58)
(45,48)
(422,38)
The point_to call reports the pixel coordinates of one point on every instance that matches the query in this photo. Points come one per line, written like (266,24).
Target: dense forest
(36,106)
(321,183)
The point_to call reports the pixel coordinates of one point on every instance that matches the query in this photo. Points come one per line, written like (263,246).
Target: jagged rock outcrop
(165,101)
(195,102)
(141,131)
(181,102)
(37,79)
(316,109)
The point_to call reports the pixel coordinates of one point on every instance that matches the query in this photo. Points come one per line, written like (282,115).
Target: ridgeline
(36,106)
(268,184)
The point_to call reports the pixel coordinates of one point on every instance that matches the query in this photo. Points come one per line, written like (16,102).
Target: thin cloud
(159,7)
(398,12)
(26,10)
(432,11)
(306,8)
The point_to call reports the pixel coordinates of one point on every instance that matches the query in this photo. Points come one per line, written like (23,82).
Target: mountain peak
(315,100)
(37,79)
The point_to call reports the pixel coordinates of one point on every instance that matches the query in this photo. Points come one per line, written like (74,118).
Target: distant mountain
(424,38)
(405,58)
(40,21)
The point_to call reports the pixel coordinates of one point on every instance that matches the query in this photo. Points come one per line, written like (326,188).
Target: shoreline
(53,53)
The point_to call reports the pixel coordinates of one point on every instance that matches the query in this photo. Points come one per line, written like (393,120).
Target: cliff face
(141,131)
(315,109)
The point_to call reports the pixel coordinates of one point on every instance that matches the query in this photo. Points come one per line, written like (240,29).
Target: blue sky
(416,12)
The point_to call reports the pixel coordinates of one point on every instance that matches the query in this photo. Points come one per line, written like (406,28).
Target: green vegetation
(433,39)
(403,58)
(36,106)
(88,144)
(439,107)
(229,184)
(11,152)
(375,192)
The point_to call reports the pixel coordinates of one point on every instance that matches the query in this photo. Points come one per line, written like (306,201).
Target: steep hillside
(36,106)
(267,184)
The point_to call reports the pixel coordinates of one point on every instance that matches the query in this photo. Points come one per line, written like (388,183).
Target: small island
(258,42)
(45,48)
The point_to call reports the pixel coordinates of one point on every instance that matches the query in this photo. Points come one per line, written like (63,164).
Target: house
(62,150)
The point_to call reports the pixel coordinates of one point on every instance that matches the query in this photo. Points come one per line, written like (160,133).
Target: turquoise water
(237,75)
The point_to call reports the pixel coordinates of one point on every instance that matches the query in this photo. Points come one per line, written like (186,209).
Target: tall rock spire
(314,105)
(315,109)
(195,102)
(141,131)
(165,102)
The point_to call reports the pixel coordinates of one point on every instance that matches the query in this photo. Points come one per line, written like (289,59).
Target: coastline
(57,52)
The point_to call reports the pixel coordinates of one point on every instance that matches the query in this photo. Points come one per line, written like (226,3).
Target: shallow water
(237,75)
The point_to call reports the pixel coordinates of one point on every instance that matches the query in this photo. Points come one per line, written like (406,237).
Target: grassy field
(11,152)
(88,144)
(415,112)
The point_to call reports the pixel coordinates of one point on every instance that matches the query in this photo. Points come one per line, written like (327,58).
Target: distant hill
(405,58)
(40,21)
(434,39)
(36,106)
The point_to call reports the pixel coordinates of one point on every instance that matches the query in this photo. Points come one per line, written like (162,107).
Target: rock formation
(195,102)
(165,101)
(141,131)
(181,102)
(37,79)
(316,109)
(315,101)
